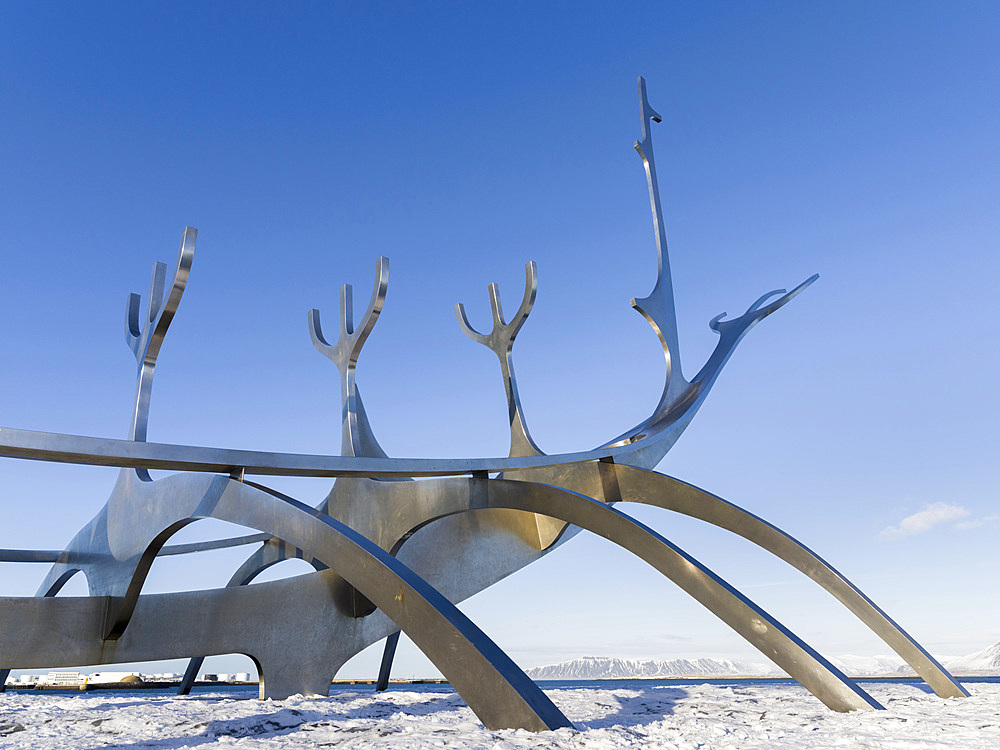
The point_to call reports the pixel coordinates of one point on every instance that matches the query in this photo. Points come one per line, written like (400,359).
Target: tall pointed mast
(658,307)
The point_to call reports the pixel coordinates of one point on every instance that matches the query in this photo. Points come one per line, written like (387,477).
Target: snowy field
(657,716)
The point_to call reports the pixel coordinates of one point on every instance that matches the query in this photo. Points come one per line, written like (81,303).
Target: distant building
(67,679)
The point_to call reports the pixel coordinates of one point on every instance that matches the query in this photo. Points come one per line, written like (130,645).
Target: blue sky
(303,140)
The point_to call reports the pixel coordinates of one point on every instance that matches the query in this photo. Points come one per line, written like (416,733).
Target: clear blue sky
(854,140)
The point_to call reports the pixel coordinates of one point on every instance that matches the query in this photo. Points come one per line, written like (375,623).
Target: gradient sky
(856,140)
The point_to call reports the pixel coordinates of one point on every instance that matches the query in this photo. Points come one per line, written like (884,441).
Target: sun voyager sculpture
(395,556)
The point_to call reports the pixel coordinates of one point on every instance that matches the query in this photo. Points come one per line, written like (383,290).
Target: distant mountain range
(609,668)
(985,662)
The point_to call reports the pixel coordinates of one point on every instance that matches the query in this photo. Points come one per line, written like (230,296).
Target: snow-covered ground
(690,716)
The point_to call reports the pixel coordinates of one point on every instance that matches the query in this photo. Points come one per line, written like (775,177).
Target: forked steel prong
(500,340)
(345,352)
(145,340)
(345,355)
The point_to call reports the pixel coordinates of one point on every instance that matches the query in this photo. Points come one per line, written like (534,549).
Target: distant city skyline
(852,140)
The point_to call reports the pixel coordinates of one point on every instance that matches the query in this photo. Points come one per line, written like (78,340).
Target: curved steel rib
(495,688)
(619,483)
(651,488)
(771,638)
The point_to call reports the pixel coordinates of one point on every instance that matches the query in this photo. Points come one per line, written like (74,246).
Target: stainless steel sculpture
(395,556)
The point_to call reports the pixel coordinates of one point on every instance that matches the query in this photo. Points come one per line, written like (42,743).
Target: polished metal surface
(392,555)
(493,686)
(270,553)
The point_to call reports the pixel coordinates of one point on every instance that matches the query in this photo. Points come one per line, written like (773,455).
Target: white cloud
(975,524)
(932,515)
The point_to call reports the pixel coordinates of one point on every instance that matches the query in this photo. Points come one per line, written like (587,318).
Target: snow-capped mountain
(871,666)
(608,668)
(987,660)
